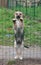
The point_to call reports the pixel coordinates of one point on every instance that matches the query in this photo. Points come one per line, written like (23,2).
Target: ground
(23,62)
(32,56)
(26,62)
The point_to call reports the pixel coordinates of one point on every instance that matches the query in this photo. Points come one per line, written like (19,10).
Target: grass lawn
(32,27)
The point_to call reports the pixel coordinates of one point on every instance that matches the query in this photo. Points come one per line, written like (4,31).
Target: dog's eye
(20,14)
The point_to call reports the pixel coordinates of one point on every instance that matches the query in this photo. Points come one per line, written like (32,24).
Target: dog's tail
(26,46)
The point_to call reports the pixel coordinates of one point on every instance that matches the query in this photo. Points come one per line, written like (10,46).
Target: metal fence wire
(19,4)
(31,10)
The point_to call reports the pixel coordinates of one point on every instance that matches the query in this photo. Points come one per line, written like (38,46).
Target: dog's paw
(16,57)
(20,58)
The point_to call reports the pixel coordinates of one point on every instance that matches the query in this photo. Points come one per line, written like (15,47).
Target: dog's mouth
(18,17)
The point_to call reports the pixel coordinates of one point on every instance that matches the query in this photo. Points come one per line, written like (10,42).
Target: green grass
(11,62)
(32,27)
(33,12)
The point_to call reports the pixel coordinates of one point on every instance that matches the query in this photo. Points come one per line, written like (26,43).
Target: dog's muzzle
(19,42)
(18,17)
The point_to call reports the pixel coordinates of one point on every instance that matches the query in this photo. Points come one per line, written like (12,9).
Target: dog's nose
(18,17)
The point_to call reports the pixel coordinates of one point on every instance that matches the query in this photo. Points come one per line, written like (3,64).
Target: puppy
(19,34)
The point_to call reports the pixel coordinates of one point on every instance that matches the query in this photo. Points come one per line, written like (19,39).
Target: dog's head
(18,15)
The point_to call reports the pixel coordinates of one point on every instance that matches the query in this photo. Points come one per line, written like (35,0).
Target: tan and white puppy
(19,34)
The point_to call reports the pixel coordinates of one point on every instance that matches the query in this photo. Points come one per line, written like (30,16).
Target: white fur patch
(18,24)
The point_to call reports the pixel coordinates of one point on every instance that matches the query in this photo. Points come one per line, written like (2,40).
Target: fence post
(34,9)
(16,5)
(26,7)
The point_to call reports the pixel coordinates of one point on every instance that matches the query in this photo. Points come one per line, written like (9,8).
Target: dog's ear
(15,14)
(14,20)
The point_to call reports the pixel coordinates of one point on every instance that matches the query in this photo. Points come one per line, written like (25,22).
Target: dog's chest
(18,23)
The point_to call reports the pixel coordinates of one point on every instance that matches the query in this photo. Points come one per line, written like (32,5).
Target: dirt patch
(25,62)
(32,56)
(3,62)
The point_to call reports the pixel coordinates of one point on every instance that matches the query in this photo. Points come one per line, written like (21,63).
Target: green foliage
(11,62)
(32,27)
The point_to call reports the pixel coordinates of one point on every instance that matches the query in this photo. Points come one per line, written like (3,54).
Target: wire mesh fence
(32,27)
